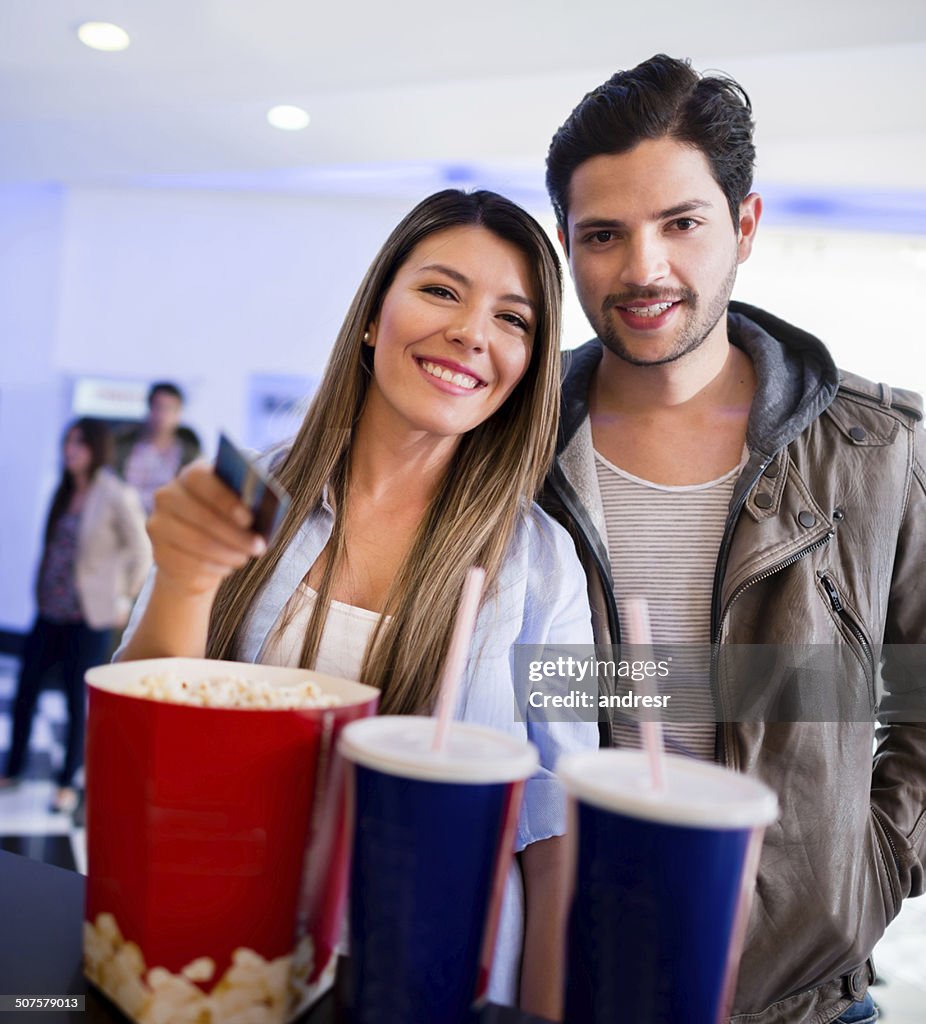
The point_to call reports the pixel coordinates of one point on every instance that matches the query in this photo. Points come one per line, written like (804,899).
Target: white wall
(210,288)
(860,293)
(31,398)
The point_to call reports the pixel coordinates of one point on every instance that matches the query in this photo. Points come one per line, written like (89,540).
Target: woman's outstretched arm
(199,535)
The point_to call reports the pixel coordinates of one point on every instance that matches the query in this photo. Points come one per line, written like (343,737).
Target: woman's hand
(199,532)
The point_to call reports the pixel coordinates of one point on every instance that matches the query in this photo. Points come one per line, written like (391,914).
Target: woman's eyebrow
(449,271)
(455,275)
(521,300)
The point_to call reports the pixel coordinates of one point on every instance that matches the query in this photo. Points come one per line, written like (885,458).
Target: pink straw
(638,635)
(460,643)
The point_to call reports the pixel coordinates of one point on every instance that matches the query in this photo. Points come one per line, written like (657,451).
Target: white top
(344,639)
(663,543)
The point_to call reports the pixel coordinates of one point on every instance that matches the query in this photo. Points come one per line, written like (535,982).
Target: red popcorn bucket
(216,838)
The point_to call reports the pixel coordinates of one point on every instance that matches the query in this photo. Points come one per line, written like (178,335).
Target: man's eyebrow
(612,223)
(455,275)
(689,206)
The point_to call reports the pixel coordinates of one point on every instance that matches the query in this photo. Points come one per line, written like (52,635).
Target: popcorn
(252,991)
(231,692)
(101,941)
(200,969)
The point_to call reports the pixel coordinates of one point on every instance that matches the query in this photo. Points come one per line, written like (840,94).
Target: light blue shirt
(539,598)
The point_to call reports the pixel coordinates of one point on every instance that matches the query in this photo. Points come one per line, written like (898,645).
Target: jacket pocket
(850,627)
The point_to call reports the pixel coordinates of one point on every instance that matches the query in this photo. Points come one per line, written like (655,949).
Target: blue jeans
(864,1012)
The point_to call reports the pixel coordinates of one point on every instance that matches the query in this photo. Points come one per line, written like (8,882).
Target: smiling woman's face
(454,333)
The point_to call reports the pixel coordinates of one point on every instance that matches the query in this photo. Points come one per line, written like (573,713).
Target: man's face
(164,413)
(653,250)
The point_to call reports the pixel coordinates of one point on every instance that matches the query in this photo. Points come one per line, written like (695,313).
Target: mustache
(629,297)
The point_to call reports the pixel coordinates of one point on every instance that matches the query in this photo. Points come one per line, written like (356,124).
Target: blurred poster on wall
(124,400)
(276,406)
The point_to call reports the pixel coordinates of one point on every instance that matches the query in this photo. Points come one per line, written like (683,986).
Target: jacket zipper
(849,622)
(764,575)
(745,585)
(839,608)
(720,746)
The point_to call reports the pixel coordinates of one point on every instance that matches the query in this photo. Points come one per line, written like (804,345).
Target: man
(152,454)
(713,460)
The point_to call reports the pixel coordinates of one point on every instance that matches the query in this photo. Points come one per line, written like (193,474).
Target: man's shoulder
(128,434)
(873,415)
(124,440)
(860,392)
(190,447)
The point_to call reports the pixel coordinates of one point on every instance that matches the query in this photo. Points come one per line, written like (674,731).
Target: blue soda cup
(433,837)
(663,883)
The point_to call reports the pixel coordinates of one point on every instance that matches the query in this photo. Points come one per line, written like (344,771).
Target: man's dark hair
(164,387)
(660,98)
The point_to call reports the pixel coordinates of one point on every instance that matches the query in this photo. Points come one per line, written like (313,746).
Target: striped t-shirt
(663,544)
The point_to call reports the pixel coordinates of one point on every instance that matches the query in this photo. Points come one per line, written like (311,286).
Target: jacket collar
(796,379)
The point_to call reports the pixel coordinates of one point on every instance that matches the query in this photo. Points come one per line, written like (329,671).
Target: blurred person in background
(418,459)
(94,560)
(153,453)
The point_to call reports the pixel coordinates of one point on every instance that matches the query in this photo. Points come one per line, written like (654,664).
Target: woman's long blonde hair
(472,518)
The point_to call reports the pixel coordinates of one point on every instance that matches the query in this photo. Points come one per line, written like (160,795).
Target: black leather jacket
(825,544)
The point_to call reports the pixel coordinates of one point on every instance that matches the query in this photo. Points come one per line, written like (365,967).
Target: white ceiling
(472,89)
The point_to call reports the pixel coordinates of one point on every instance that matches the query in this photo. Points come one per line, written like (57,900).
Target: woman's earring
(366,337)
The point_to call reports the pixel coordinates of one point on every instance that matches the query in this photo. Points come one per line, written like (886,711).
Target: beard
(700,320)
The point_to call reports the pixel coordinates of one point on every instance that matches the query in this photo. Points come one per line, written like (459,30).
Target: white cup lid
(696,793)
(401,745)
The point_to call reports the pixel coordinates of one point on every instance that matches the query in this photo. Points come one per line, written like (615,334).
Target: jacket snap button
(838,514)
(763,500)
(858,433)
(772,470)
(806,519)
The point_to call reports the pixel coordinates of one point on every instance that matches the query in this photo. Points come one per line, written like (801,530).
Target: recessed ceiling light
(103,35)
(289,119)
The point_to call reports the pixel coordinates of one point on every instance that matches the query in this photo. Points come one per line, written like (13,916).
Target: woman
(430,433)
(95,558)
